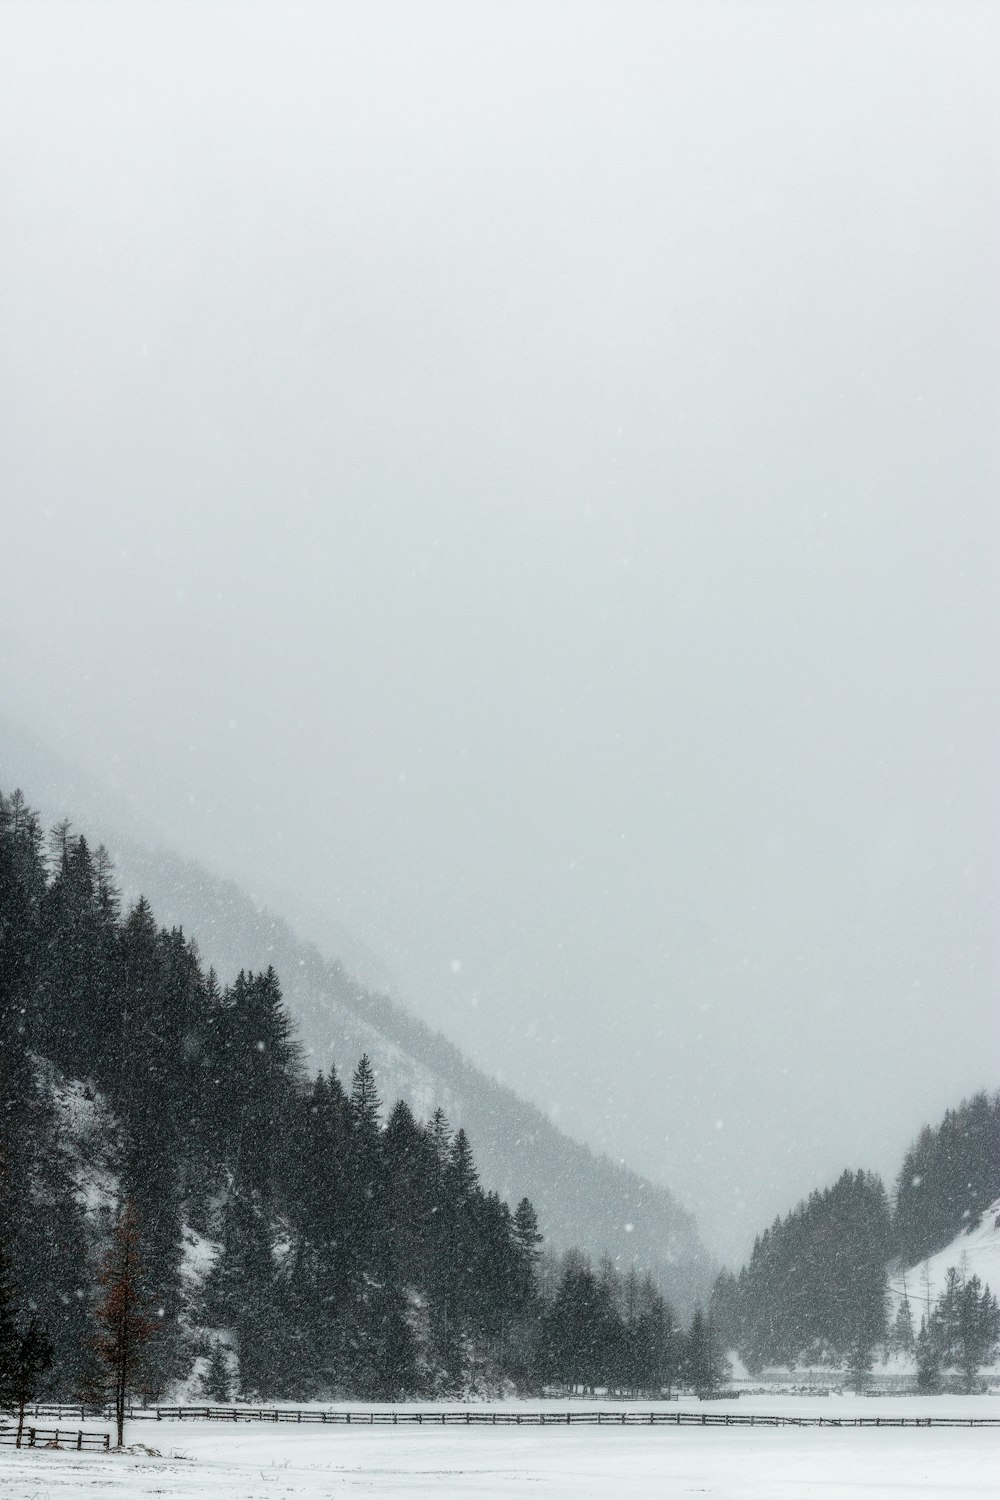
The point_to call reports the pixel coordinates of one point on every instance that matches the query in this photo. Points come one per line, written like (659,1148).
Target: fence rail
(55,1437)
(473,1417)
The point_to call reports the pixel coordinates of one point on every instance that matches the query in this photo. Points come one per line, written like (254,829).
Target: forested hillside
(816,1287)
(586,1200)
(949,1176)
(281,1227)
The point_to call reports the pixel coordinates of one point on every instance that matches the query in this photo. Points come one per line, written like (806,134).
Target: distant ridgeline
(815,1288)
(290,1242)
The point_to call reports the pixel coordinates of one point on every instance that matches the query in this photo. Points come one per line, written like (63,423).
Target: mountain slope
(582,1199)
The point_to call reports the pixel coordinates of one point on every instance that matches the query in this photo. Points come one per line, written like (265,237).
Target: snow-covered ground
(974,1252)
(256,1462)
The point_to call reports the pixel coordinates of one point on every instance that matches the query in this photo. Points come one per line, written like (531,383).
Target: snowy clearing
(251,1462)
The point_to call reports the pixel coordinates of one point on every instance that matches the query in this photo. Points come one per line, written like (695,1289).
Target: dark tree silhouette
(32,1358)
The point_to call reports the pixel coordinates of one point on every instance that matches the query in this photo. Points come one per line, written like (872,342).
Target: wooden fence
(43,1437)
(473,1417)
(479,1417)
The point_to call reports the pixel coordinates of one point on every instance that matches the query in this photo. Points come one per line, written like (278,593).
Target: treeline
(815,1288)
(605,1331)
(282,1231)
(960,1334)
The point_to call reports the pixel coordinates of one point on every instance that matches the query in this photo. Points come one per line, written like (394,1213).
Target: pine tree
(902,1328)
(365,1103)
(409,1168)
(947,1320)
(216,1381)
(439,1134)
(705,1365)
(32,1358)
(980,1329)
(527,1241)
(724,1309)
(928,1352)
(366,1199)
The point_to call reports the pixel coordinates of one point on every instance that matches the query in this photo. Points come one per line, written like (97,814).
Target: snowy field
(259,1462)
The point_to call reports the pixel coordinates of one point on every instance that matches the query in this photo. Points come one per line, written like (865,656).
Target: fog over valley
(514,489)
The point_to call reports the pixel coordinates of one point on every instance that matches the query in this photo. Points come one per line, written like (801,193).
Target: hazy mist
(520,482)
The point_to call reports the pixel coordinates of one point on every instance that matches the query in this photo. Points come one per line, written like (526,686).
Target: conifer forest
(352,1247)
(178,1192)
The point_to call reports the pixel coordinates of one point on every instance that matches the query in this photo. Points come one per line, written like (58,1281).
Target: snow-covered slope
(974,1252)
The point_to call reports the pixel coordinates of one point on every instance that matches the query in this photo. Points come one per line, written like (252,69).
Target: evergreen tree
(365,1103)
(32,1358)
(367,1241)
(216,1381)
(439,1134)
(409,1173)
(928,1352)
(240,1282)
(978,1330)
(724,1309)
(902,1329)
(527,1239)
(704,1362)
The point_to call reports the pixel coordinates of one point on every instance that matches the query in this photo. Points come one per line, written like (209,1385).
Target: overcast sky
(523,480)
